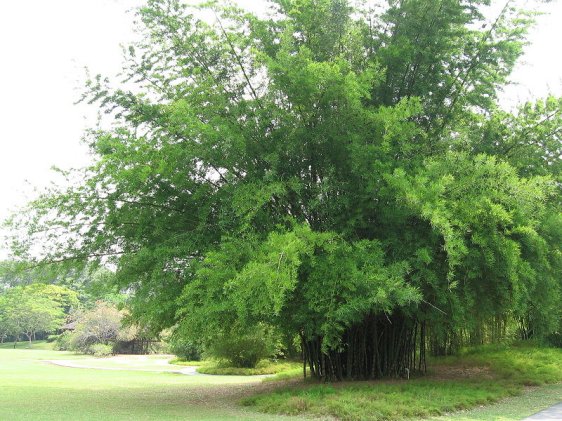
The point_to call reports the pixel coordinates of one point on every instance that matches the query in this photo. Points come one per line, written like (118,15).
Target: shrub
(188,363)
(158,348)
(100,350)
(554,339)
(243,349)
(63,342)
(97,326)
(184,349)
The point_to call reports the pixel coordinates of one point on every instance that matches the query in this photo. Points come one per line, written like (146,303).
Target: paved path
(189,370)
(138,363)
(552,413)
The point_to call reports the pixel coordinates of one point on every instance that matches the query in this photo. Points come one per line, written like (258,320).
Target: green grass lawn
(31,389)
(461,388)
(511,409)
(475,379)
(25,345)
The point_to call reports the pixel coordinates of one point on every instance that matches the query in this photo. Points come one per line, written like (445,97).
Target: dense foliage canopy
(339,173)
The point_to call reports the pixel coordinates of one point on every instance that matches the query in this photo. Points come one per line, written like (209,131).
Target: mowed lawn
(31,389)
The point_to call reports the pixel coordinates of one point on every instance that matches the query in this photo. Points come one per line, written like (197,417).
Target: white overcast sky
(46,44)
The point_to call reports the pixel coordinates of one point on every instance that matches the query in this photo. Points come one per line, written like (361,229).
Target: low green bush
(100,350)
(555,339)
(187,363)
(184,349)
(243,349)
(63,342)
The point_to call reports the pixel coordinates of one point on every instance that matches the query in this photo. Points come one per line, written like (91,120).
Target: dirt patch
(232,393)
(460,373)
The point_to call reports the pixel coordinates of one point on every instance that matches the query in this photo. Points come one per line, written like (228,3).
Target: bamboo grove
(334,172)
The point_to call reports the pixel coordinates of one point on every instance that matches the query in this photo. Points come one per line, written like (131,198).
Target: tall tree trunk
(379,346)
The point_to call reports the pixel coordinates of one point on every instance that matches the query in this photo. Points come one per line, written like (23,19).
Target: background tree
(101,325)
(4,328)
(102,330)
(35,308)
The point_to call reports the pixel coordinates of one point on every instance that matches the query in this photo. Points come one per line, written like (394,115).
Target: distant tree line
(34,309)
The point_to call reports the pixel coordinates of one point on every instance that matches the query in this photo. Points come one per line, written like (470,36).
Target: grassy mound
(263,367)
(477,377)
(521,364)
(185,363)
(282,369)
